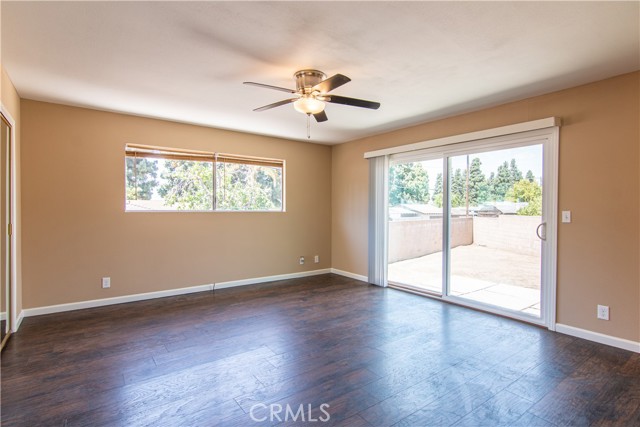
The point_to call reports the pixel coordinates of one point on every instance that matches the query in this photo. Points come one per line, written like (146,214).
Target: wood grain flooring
(376,357)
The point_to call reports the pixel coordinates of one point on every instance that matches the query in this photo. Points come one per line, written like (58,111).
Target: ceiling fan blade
(321,116)
(331,83)
(276,104)
(283,89)
(352,101)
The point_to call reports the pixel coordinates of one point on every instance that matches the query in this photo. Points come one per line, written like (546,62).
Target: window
(166,179)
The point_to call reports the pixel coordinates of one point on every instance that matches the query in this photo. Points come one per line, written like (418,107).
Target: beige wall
(76,230)
(11,102)
(599,181)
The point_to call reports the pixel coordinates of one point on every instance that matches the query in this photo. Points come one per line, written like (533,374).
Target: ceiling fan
(312,91)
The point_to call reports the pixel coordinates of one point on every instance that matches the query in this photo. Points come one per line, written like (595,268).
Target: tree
(533,208)
(246,187)
(502,182)
(187,184)
(530,176)
(491,181)
(437,191)
(529,192)
(141,178)
(516,175)
(408,183)
(458,187)
(478,188)
(457,201)
(270,180)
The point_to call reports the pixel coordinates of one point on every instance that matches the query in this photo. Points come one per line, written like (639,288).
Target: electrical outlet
(603,312)
(301,260)
(316,259)
(106,282)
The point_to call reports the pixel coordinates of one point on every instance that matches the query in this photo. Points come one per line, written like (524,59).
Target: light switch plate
(566,216)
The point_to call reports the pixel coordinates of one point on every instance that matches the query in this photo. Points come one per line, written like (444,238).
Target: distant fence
(413,238)
(513,233)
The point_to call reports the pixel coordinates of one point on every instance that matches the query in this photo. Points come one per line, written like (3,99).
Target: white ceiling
(186,61)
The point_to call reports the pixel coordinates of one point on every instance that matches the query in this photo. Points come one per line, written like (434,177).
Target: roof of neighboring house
(504,208)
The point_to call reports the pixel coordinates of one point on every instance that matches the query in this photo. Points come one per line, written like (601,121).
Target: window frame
(169,153)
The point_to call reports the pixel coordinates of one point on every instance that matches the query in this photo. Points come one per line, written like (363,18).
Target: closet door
(5,224)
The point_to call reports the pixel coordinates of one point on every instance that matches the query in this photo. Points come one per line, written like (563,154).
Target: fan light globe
(308,105)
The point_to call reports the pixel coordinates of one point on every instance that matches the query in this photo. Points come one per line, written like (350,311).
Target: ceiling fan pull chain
(308,126)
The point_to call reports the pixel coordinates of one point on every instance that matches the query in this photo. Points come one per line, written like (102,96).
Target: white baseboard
(598,337)
(39,311)
(350,275)
(254,281)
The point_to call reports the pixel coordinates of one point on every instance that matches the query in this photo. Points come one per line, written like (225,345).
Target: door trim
(13,265)
(547,123)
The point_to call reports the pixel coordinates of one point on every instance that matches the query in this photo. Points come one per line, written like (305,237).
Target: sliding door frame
(548,137)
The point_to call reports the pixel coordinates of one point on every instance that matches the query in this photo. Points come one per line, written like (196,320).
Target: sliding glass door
(496,208)
(416,224)
(469,223)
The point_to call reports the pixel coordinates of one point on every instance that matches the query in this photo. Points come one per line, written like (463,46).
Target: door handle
(544,235)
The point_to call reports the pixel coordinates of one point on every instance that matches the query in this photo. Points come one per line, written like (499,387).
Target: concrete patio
(492,276)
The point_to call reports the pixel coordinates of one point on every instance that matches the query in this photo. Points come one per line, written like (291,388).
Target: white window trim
(548,122)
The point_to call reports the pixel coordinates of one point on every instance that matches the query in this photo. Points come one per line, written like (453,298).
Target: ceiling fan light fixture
(308,105)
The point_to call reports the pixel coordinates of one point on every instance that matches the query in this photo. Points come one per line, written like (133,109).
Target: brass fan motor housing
(307,79)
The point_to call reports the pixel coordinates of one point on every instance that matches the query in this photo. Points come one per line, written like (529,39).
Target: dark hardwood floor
(377,357)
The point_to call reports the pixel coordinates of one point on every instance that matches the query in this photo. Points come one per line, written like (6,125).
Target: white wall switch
(316,259)
(566,216)
(603,312)
(301,260)
(106,282)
